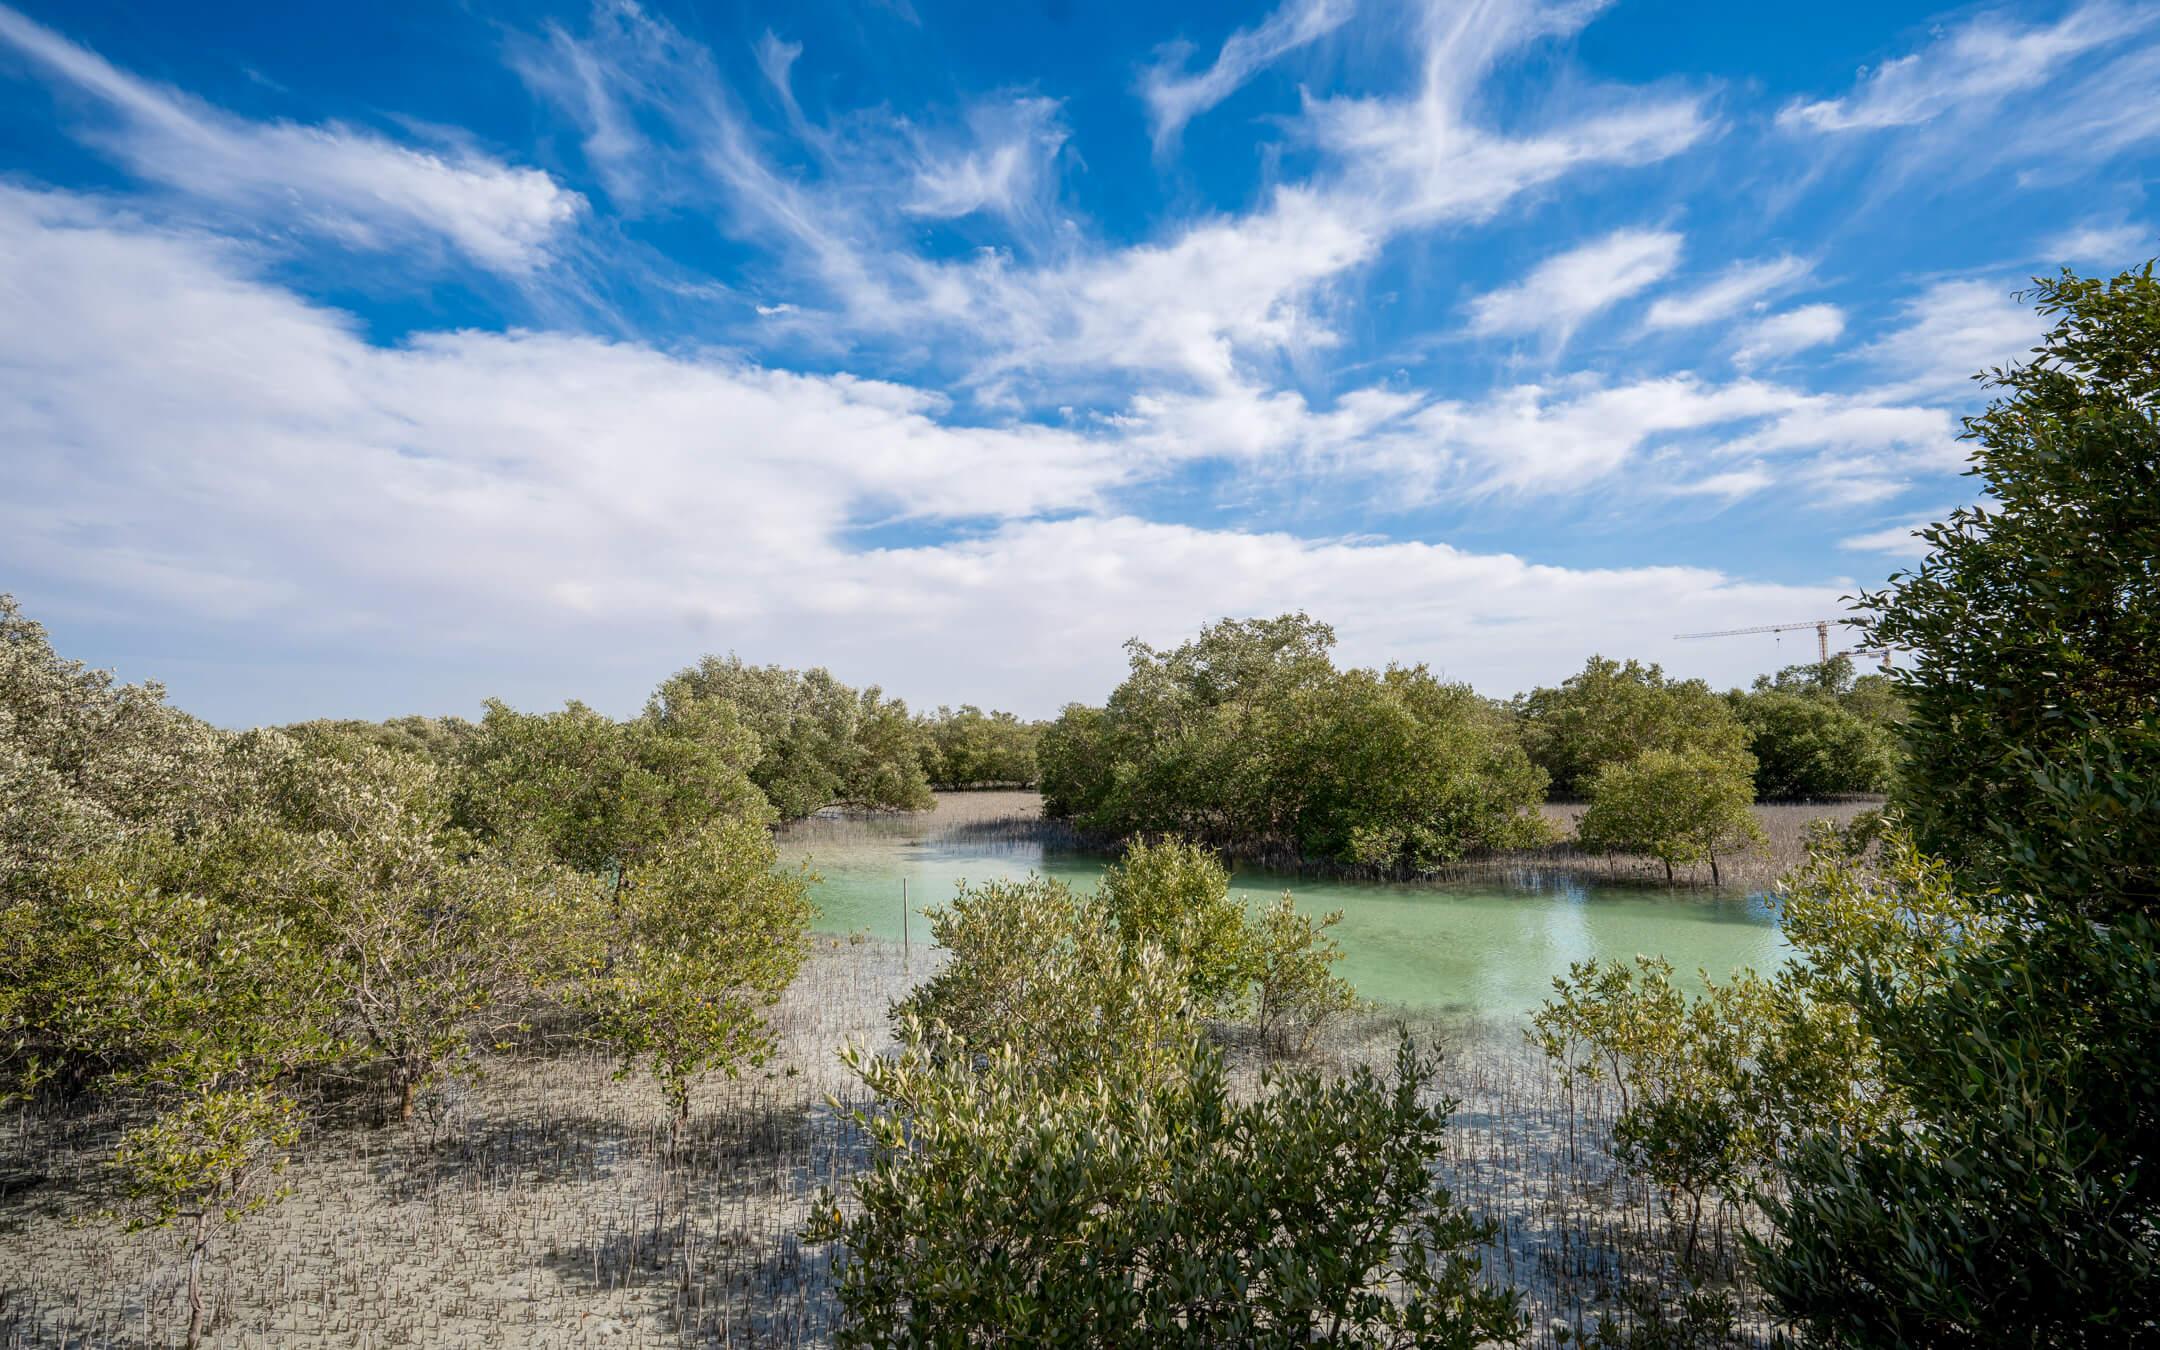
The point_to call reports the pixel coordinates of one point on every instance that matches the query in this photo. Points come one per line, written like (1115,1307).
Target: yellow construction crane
(1821,627)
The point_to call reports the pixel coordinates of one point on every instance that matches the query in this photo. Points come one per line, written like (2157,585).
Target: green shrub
(1249,739)
(705,935)
(598,794)
(1037,970)
(1175,896)
(1610,713)
(816,742)
(1677,808)
(1142,1209)
(970,748)
(2016,1201)
(1812,747)
(1291,962)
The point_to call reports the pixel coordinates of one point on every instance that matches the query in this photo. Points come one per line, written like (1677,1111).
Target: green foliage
(1176,897)
(208,930)
(1291,962)
(1716,1090)
(2015,1202)
(433,950)
(213,1155)
(1076,763)
(972,748)
(2034,622)
(440,739)
(706,935)
(1037,970)
(1250,740)
(818,742)
(217,1151)
(147,965)
(1678,808)
(599,794)
(84,761)
(131,972)
(1401,772)
(1140,1208)
(1810,747)
(1609,713)
(1685,1069)
(2023,1206)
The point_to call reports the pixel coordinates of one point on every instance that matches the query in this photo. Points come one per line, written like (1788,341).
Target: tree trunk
(1668,871)
(1713,871)
(408,1086)
(194,1279)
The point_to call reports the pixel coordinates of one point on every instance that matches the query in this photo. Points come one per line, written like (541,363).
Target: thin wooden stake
(907,958)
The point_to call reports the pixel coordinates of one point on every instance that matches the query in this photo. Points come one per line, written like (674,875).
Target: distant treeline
(818,742)
(1250,738)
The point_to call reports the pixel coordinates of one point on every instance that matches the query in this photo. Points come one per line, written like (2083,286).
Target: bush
(1143,1210)
(817,743)
(1038,971)
(1609,713)
(600,795)
(1677,808)
(972,748)
(1176,897)
(706,934)
(208,931)
(1296,992)
(2016,1202)
(2020,1207)
(1685,1071)
(1807,747)
(1248,739)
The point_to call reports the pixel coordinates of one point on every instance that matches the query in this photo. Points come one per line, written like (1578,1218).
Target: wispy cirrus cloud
(1004,165)
(1175,96)
(1952,331)
(1982,60)
(1737,287)
(1054,312)
(354,185)
(1795,330)
(1897,541)
(2106,243)
(1562,291)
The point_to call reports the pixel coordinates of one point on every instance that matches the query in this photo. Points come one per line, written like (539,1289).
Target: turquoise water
(1488,948)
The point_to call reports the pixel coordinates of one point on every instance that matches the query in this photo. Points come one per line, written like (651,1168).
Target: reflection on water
(1489,947)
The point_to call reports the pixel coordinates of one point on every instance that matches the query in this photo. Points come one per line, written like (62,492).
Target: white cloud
(1055,319)
(2098,115)
(1794,330)
(1953,331)
(1175,97)
(1731,485)
(1004,169)
(1731,291)
(1981,61)
(188,441)
(1568,288)
(2104,244)
(1537,440)
(352,184)
(1898,541)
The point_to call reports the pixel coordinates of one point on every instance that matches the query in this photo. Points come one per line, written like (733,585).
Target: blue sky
(360,360)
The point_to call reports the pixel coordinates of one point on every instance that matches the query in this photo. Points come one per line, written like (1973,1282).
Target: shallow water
(1489,947)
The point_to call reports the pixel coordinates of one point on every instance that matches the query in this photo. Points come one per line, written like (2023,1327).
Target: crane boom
(1821,627)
